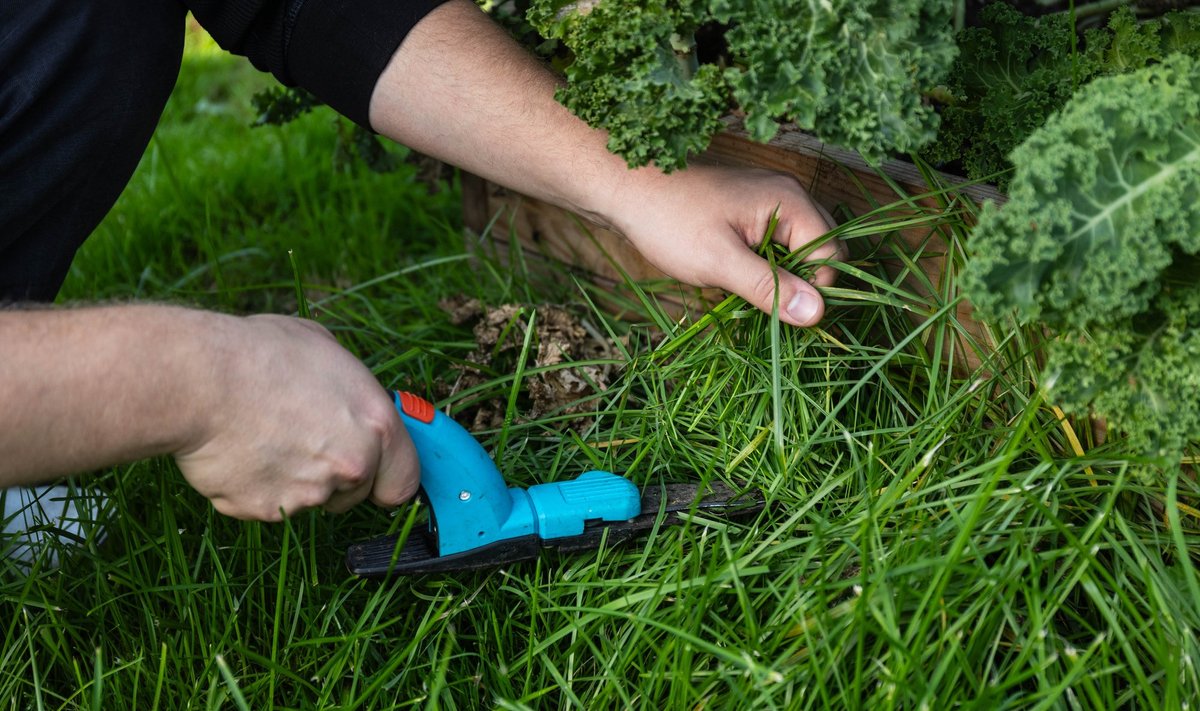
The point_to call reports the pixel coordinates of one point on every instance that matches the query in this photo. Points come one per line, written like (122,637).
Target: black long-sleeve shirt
(334,48)
(83,83)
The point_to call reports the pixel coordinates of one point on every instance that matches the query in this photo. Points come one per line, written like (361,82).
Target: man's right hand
(266,415)
(297,422)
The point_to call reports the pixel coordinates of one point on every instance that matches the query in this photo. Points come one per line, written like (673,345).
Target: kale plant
(1100,241)
(634,75)
(851,72)
(1013,71)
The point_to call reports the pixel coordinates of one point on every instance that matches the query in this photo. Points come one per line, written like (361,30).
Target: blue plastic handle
(473,507)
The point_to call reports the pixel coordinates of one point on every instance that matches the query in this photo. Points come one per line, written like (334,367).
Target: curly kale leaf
(1012,72)
(278,105)
(1131,45)
(633,75)
(1103,195)
(1180,33)
(1101,240)
(851,72)
(1142,373)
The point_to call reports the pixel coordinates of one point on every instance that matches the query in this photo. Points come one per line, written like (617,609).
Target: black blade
(660,506)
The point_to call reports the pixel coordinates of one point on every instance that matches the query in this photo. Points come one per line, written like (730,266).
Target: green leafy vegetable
(1130,45)
(851,72)
(277,106)
(634,75)
(1013,71)
(1101,241)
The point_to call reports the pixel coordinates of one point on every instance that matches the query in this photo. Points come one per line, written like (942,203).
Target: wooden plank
(556,242)
(826,170)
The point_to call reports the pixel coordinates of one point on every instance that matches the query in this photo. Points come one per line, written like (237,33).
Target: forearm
(89,387)
(460,89)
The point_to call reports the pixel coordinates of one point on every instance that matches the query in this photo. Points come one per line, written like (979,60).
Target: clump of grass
(935,540)
(937,535)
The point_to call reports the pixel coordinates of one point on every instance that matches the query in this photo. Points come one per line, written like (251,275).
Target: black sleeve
(334,48)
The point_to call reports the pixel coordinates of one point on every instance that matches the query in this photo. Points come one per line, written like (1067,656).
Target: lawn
(936,537)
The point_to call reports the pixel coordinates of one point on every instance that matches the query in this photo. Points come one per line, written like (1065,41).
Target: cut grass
(934,539)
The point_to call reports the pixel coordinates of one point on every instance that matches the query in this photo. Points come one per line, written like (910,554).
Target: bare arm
(268,413)
(460,89)
(263,413)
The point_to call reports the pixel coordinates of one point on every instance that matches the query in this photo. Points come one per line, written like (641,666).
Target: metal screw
(464,495)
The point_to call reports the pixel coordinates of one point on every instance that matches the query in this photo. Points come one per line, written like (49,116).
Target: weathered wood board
(558,243)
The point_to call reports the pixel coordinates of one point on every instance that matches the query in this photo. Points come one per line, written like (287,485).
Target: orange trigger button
(416,407)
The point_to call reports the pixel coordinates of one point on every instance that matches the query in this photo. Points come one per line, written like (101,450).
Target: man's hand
(267,415)
(460,89)
(297,423)
(702,226)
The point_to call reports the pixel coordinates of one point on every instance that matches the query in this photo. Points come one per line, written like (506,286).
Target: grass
(935,538)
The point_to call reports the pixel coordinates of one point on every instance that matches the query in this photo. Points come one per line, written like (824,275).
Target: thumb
(399,474)
(752,278)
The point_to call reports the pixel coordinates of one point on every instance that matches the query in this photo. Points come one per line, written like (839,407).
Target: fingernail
(804,307)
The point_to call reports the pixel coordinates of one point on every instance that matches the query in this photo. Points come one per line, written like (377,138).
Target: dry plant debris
(561,341)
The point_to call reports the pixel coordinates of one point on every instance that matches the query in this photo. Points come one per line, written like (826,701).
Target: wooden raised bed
(834,177)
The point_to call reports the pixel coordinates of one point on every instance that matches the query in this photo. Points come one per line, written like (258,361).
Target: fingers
(395,473)
(801,221)
(832,251)
(350,492)
(399,471)
(751,277)
(810,221)
(297,423)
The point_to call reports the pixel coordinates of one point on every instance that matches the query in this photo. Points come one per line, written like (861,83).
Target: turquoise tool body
(473,507)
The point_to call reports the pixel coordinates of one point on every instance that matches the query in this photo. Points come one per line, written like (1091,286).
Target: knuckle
(227,508)
(357,475)
(380,416)
(316,328)
(306,498)
(402,492)
(270,513)
(354,468)
(294,325)
(763,290)
(786,182)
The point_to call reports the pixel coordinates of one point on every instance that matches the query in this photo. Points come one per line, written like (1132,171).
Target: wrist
(199,361)
(607,197)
